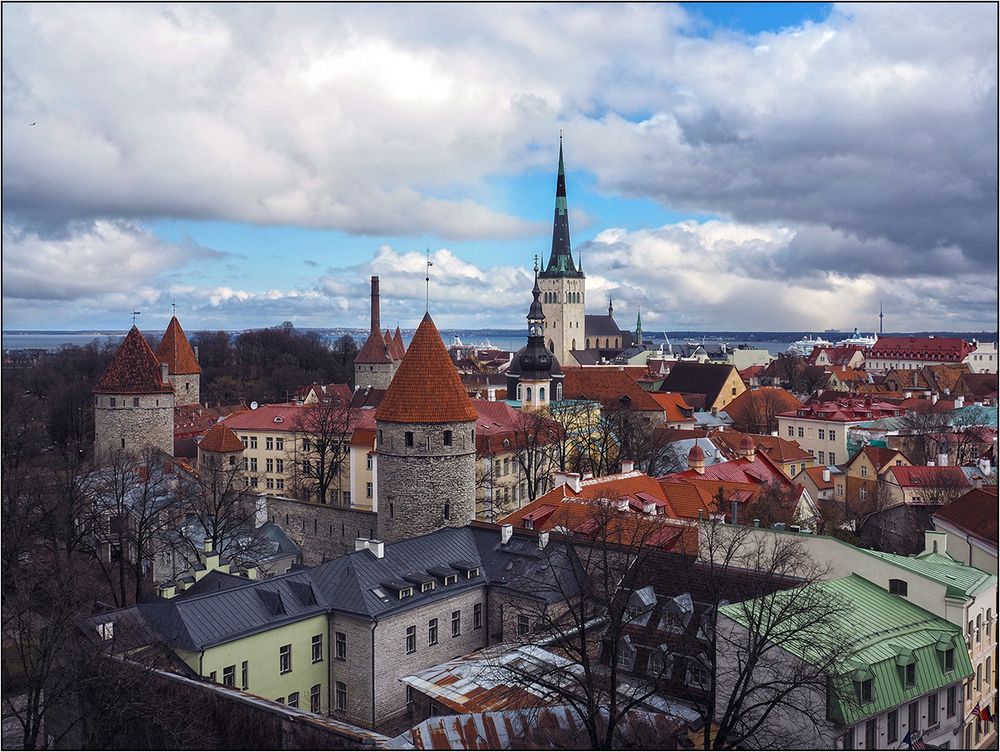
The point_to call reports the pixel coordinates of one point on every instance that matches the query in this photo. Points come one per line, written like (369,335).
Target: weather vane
(134,314)
(173,306)
(536,263)
(427,283)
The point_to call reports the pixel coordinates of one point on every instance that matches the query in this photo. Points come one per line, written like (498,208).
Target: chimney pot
(628,466)
(734,510)
(543,539)
(360,544)
(506,531)
(377,548)
(826,475)
(756,522)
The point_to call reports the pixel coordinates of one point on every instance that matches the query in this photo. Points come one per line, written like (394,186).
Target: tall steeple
(638,327)
(880,317)
(611,307)
(561,258)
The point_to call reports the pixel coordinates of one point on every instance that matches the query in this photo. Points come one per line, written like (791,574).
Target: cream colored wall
(810,440)
(726,394)
(564,322)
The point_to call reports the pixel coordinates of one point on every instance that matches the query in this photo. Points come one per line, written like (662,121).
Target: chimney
(942,459)
(376,323)
(506,531)
(164,373)
(197,357)
(360,544)
(628,466)
(570,479)
(587,476)
(543,540)
(960,400)
(622,504)
(715,411)
(826,475)
(934,398)
(734,510)
(377,548)
(207,545)
(756,522)
(930,463)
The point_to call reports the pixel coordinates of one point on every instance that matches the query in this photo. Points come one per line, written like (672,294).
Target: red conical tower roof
(175,350)
(221,438)
(133,370)
(397,338)
(426,388)
(374,350)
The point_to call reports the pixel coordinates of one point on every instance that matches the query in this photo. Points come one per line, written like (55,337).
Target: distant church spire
(880,315)
(638,327)
(611,307)
(561,258)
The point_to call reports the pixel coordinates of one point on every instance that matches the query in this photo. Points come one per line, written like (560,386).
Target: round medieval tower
(133,402)
(183,371)
(426,443)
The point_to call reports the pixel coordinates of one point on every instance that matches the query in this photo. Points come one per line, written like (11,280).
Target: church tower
(562,285)
(183,371)
(534,375)
(425,469)
(133,402)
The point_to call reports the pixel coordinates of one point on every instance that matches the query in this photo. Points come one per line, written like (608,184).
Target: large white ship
(805,345)
(859,339)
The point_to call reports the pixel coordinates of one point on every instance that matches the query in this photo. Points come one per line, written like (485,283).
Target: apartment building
(821,428)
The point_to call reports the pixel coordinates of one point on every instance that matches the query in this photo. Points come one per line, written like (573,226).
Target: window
(913,717)
(269,465)
(979,627)
(280,700)
(340,642)
(951,701)
(989,621)
(306,445)
(871,733)
(833,436)
(979,678)
(864,471)
(897,587)
(371,463)
(253,464)
(306,466)
(699,674)
(269,442)
(949,659)
(341,696)
(450,579)
(447,510)
(432,632)
(279,483)
(279,444)
(293,699)
(456,623)
(229,676)
(909,675)
(864,690)
(802,432)
(253,442)
(285,658)
(822,459)
(522,624)
(211,677)
(822,434)
(369,489)
(269,482)
(447,438)
(832,457)
(314,705)
(135,402)
(409,695)
(317,648)
(279,466)
(791,431)
(114,402)
(411,639)
(347,498)
(409,438)
(892,726)
(847,740)
(477,615)
(932,709)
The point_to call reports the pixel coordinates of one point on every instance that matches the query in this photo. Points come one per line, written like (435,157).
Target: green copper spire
(561,259)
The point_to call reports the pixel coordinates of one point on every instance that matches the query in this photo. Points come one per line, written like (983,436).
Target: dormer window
(897,587)
(470,573)
(424,587)
(277,419)
(405,593)
(864,689)
(450,579)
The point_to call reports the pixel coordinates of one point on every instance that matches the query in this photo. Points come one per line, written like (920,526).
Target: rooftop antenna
(427,283)
(536,263)
(134,314)
(880,315)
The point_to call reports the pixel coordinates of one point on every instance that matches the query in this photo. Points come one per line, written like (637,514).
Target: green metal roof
(962,581)
(885,627)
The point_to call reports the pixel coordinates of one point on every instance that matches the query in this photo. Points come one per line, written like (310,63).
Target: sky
(730,166)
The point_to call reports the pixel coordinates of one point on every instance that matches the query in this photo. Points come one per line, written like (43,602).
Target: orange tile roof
(221,438)
(753,405)
(689,496)
(673,405)
(175,350)
(426,388)
(133,370)
(775,447)
(374,350)
(879,456)
(816,475)
(397,339)
(608,386)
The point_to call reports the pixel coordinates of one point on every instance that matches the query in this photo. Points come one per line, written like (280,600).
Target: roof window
(277,419)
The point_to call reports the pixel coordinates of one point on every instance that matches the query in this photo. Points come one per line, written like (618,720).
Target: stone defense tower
(426,450)
(183,371)
(133,402)
(562,284)
(534,375)
(379,358)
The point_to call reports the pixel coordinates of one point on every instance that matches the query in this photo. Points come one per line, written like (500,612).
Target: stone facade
(132,422)
(388,636)
(374,375)
(424,484)
(321,531)
(563,305)
(187,387)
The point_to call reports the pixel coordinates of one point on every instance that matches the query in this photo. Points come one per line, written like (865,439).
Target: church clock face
(533,330)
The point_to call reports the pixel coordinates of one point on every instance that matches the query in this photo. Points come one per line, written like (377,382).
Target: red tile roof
(374,350)
(954,349)
(673,404)
(133,370)
(690,496)
(816,475)
(221,438)
(839,355)
(609,386)
(175,350)
(397,339)
(426,388)
(975,512)
(775,447)
(845,410)
(285,416)
(921,476)
(878,456)
(759,470)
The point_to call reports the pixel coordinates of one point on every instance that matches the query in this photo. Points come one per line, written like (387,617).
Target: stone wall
(321,531)
(132,422)
(426,486)
(187,387)
(375,375)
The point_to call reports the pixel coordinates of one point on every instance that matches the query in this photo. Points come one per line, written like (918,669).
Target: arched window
(518,392)
(606,345)
(558,392)
(552,347)
(528,393)
(574,345)
(541,394)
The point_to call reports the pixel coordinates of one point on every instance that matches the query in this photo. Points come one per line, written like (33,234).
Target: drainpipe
(374,625)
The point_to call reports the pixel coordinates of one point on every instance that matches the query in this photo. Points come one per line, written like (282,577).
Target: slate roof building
(133,402)
(719,384)
(337,637)
(971,524)
(534,377)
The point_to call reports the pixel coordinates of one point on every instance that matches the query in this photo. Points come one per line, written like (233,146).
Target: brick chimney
(376,325)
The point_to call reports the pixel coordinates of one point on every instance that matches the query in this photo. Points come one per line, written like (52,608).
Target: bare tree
(324,430)
(759,410)
(535,443)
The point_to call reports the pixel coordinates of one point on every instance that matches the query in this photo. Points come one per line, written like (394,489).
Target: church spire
(611,307)
(561,259)
(638,327)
